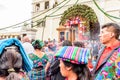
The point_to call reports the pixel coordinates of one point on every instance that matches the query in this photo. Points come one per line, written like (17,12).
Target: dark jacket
(55,71)
(106,69)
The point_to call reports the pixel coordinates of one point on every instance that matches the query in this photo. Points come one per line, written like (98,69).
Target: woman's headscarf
(26,62)
(73,54)
(38,43)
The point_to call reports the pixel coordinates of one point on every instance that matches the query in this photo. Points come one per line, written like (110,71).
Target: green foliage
(82,11)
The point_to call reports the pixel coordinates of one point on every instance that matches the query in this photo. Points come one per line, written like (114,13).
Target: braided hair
(10,63)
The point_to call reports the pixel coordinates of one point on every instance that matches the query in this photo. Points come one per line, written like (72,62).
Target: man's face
(105,35)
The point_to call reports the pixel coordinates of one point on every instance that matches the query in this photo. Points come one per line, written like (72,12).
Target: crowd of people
(23,59)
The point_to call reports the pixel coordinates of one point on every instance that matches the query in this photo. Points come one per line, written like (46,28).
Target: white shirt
(28,47)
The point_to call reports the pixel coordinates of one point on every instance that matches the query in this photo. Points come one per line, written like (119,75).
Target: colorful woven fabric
(38,71)
(73,54)
(111,70)
(39,42)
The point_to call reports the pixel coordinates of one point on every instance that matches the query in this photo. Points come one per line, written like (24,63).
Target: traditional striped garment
(111,69)
(38,71)
(73,54)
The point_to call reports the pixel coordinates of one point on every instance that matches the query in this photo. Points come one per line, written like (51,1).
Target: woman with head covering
(40,60)
(54,68)
(10,64)
(73,63)
(13,60)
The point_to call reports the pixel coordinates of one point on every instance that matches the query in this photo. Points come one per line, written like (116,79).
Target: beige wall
(112,7)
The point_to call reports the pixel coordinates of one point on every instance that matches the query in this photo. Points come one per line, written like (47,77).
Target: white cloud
(1,7)
(14,11)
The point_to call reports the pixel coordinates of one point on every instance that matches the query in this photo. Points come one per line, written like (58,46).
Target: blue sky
(14,11)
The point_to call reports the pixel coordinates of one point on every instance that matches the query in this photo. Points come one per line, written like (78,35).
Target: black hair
(67,43)
(37,45)
(10,63)
(32,40)
(115,28)
(81,70)
(19,37)
(78,44)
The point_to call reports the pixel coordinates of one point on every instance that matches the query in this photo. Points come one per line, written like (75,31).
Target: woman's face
(2,78)
(63,69)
